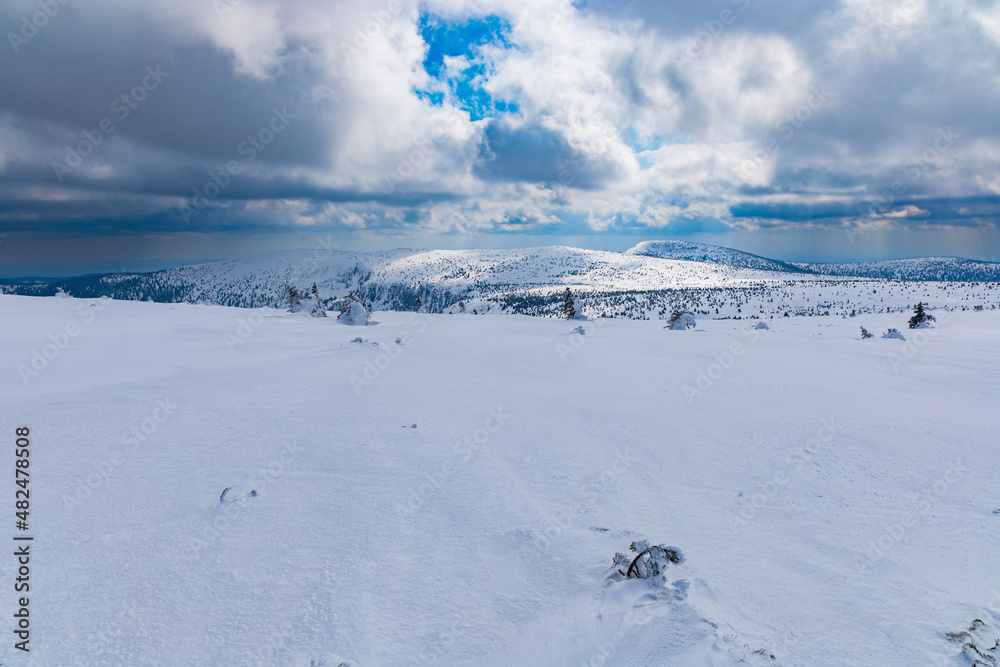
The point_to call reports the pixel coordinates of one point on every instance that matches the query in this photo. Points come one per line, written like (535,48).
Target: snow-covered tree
(920,319)
(569,307)
(317,309)
(418,305)
(681,321)
(294,298)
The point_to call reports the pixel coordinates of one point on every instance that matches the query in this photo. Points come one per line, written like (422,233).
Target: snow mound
(354,314)
(762,326)
(681,322)
(893,333)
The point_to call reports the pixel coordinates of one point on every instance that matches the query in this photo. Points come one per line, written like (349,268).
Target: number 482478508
(22,477)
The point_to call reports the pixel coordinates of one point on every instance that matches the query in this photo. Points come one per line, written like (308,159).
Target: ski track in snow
(467,541)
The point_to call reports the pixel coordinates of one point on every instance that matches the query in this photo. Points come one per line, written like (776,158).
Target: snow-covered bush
(975,642)
(866,334)
(472,306)
(420,307)
(920,319)
(649,562)
(305,302)
(681,321)
(316,307)
(762,326)
(893,333)
(569,309)
(61,293)
(353,312)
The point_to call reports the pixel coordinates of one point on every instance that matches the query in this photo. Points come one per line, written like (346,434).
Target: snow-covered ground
(457,498)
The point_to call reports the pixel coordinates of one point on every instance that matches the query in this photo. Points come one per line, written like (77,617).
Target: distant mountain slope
(924,268)
(519,280)
(713,254)
(639,283)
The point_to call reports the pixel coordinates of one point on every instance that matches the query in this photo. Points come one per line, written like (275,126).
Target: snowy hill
(637,284)
(713,254)
(924,268)
(457,498)
(528,277)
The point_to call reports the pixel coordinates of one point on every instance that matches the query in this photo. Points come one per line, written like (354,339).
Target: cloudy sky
(135,134)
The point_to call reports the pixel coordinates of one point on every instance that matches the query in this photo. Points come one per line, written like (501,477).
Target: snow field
(833,497)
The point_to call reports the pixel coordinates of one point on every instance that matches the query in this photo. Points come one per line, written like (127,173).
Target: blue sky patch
(464,39)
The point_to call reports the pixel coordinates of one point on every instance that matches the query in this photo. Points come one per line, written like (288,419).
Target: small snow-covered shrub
(61,293)
(978,655)
(681,321)
(353,312)
(649,562)
(762,326)
(579,330)
(893,333)
(305,302)
(866,334)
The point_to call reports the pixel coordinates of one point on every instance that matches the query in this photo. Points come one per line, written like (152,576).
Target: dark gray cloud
(627,117)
